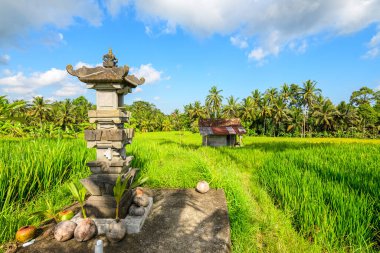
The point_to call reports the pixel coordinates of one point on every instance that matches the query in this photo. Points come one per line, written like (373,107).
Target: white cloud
(83,64)
(374,47)
(148,30)
(299,47)
(372,53)
(71,90)
(137,90)
(257,54)
(7,72)
(375,40)
(22,84)
(239,42)
(156,98)
(115,6)
(150,74)
(53,39)
(272,24)
(17,18)
(20,90)
(4,59)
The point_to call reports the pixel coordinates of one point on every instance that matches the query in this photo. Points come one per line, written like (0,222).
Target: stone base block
(135,223)
(102,184)
(105,206)
(106,167)
(132,223)
(115,116)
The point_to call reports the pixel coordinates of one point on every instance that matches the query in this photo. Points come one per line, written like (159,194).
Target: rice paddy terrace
(284,194)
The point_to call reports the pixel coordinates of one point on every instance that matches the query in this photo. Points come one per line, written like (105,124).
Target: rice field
(283,194)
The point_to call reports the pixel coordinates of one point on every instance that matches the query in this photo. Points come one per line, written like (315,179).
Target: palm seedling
(79,195)
(121,186)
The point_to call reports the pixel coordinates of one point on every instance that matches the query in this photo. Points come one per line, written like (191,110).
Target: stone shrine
(110,138)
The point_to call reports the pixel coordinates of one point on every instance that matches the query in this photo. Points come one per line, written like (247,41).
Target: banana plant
(79,195)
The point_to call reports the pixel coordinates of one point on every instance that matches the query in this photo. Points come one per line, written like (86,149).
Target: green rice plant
(48,213)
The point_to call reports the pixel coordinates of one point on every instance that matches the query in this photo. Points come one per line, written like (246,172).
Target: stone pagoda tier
(110,138)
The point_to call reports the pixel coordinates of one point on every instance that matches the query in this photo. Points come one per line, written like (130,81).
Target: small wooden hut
(221,132)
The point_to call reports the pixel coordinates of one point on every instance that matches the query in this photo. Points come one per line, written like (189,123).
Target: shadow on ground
(180,221)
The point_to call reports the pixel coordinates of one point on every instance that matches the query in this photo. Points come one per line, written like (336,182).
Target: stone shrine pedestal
(110,138)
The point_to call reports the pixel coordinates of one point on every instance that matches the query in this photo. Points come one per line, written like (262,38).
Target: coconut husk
(64,230)
(85,230)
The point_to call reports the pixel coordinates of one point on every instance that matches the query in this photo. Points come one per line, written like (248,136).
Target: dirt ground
(180,221)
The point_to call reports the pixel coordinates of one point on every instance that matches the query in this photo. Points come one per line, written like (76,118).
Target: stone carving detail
(110,138)
(109,60)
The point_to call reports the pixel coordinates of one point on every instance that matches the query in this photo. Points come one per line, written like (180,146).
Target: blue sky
(184,47)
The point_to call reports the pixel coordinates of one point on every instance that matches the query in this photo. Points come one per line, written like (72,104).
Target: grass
(283,194)
(32,170)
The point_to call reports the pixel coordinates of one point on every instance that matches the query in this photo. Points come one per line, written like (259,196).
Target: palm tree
(247,110)
(266,111)
(308,94)
(285,93)
(198,111)
(271,95)
(279,113)
(40,109)
(65,113)
(256,97)
(11,110)
(294,95)
(166,125)
(231,110)
(325,114)
(214,101)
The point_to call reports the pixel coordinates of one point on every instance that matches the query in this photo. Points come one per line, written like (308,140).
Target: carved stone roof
(105,75)
(109,73)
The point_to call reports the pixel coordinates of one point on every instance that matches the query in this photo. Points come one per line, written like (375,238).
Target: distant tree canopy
(291,110)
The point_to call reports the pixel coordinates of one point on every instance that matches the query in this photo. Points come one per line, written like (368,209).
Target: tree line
(291,110)
(43,118)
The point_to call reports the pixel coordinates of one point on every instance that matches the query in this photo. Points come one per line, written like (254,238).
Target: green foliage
(33,170)
(50,212)
(283,195)
(121,186)
(79,193)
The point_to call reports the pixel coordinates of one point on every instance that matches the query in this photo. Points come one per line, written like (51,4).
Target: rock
(141,200)
(85,230)
(202,187)
(64,230)
(135,210)
(116,231)
(139,191)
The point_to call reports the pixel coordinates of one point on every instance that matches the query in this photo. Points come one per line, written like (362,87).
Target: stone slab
(108,134)
(180,221)
(104,206)
(135,223)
